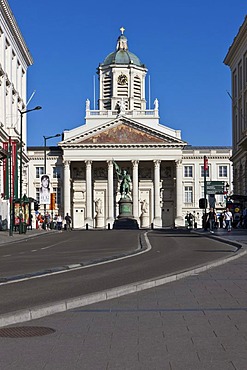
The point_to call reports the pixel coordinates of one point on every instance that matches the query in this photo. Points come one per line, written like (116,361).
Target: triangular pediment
(123,134)
(122,131)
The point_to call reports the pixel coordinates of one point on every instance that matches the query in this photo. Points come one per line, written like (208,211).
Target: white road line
(149,247)
(7,255)
(52,245)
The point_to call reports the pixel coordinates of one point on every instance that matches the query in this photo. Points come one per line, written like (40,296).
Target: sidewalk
(5,238)
(196,323)
(236,235)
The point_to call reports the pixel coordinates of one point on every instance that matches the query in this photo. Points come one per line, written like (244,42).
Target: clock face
(122,79)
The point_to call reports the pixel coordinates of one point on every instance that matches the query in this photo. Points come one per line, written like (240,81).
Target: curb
(220,238)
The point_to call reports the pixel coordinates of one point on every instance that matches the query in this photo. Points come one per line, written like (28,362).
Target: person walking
(59,222)
(211,218)
(68,220)
(228,219)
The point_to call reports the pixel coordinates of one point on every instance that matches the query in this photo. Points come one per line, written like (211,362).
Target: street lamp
(45,140)
(22,113)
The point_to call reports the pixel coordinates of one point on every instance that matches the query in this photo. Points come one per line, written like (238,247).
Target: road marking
(149,247)
(52,245)
(7,255)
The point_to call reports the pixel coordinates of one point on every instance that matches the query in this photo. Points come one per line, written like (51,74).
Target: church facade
(166,173)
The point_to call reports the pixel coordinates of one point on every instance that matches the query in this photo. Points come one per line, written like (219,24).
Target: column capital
(88,163)
(178,162)
(135,162)
(66,162)
(157,162)
(110,162)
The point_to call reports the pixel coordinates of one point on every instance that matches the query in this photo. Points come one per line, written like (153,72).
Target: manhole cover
(25,331)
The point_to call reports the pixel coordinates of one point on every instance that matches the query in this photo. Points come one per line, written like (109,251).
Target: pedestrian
(59,222)
(228,219)
(68,220)
(245,218)
(47,221)
(221,219)
(211,218)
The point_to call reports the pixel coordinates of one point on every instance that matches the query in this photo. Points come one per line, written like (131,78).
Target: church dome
(122,55)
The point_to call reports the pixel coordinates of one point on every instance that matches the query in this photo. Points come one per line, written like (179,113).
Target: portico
(153,182)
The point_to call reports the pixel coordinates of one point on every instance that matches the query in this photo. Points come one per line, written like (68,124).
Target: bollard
(86,226)
(152,226)
(109,227)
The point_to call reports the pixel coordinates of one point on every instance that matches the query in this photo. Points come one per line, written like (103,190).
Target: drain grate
(25,331)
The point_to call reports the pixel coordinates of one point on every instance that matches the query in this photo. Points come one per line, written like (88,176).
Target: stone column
(110,193)
(135,195)
(157,209)
(179,194)
(89,200)
(66,189)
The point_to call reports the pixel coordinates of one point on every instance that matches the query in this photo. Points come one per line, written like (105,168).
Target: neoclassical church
(166,173)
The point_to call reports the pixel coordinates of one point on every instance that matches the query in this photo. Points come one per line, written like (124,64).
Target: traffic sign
(215,187)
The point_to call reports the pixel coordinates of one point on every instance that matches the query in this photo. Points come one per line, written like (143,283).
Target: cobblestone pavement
(197,323)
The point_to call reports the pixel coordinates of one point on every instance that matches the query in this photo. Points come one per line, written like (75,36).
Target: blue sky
(182,43)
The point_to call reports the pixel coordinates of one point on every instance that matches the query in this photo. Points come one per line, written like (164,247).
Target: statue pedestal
(125,208)
(99,221)
(125,218)
(145,220)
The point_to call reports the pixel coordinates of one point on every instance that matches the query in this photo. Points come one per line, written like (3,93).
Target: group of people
(46,222)
(225,220)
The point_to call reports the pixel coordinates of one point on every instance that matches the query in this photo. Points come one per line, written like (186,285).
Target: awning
(242,198)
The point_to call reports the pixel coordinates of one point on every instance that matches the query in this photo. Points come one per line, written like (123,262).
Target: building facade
(15,59)
(236,59)
(166,174)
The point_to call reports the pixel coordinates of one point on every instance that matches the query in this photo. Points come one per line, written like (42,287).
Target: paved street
(199,322)
(48,273)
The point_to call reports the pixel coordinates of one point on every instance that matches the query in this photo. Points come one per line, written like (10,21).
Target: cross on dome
(122,30)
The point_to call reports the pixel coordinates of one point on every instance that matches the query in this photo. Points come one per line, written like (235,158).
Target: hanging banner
(44,189)
(13,173)
(5,172)
(53,201)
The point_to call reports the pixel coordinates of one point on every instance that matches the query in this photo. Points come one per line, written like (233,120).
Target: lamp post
(21,152)
(45,140)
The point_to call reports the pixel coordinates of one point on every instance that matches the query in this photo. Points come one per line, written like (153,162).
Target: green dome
(122,55)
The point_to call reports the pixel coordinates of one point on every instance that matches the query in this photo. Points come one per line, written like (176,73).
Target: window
(234,81)
(37,195)
(56,172)
(187,171)
(188,194)
(240,79)
(245,68)
(202,171)
(57,191)
(220,198)
(222,171)
(202,191)
(39,172)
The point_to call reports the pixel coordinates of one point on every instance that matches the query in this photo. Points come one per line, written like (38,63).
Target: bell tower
(122,79)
